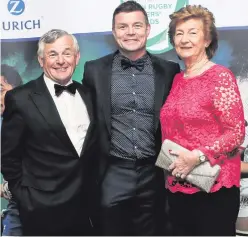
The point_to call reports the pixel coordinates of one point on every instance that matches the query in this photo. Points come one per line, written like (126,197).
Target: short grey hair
(51,36)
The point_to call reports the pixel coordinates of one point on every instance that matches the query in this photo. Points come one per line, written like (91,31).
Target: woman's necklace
(196,69)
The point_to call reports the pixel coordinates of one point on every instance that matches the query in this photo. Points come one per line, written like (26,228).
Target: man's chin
(62,80)
(132,49)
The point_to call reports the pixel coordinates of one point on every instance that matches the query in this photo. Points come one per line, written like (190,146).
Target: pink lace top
(205,112)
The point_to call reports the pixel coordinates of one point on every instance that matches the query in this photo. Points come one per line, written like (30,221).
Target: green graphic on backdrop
(158,12)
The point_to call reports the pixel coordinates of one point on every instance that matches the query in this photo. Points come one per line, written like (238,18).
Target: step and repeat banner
(24,21)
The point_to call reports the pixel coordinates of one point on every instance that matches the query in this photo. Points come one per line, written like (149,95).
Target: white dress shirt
(73,113)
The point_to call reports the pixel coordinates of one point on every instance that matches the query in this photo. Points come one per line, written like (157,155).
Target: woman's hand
(185,162)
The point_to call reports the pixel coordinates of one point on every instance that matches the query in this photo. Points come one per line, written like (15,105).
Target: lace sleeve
(228,111)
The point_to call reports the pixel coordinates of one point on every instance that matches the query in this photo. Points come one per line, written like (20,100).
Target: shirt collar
(121,56)
(50,84)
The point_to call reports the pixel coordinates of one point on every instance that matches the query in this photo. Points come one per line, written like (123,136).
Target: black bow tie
(70,88)
(126,63)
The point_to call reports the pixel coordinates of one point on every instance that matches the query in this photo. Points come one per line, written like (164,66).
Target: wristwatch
(202,157)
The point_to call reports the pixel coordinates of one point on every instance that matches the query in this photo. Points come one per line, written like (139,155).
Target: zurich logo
(16,7)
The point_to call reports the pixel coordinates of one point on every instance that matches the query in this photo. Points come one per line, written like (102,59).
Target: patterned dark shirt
(132,110)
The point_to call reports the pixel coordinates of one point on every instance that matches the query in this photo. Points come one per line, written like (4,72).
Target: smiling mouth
(61,69)
(130,40)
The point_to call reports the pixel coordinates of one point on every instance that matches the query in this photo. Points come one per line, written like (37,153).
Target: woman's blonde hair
(196,12)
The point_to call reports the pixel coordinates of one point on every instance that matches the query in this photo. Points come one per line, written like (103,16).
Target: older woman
(204,114)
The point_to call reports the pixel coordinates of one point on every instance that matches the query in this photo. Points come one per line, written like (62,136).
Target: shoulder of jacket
(103,59)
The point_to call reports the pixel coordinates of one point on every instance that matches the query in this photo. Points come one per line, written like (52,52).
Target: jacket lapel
(88,103)
(46,106)
(160,85)
(86,98)
(160,80)
(105,73)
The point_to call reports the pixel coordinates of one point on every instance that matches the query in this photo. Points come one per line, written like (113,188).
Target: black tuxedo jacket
(45,174)
(97,78)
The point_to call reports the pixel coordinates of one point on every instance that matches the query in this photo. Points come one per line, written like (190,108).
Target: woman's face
(190,40)
(5,86)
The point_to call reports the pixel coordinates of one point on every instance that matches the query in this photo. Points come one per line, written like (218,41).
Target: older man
(47,140)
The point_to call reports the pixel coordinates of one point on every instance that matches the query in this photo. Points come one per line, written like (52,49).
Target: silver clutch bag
(203,176)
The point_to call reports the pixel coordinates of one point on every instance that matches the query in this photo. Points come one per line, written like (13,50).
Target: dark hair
(196,12)
(129,6)
(11,75)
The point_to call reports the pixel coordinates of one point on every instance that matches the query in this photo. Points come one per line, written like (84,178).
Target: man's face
(5,86)
(131,32)
(59,59)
